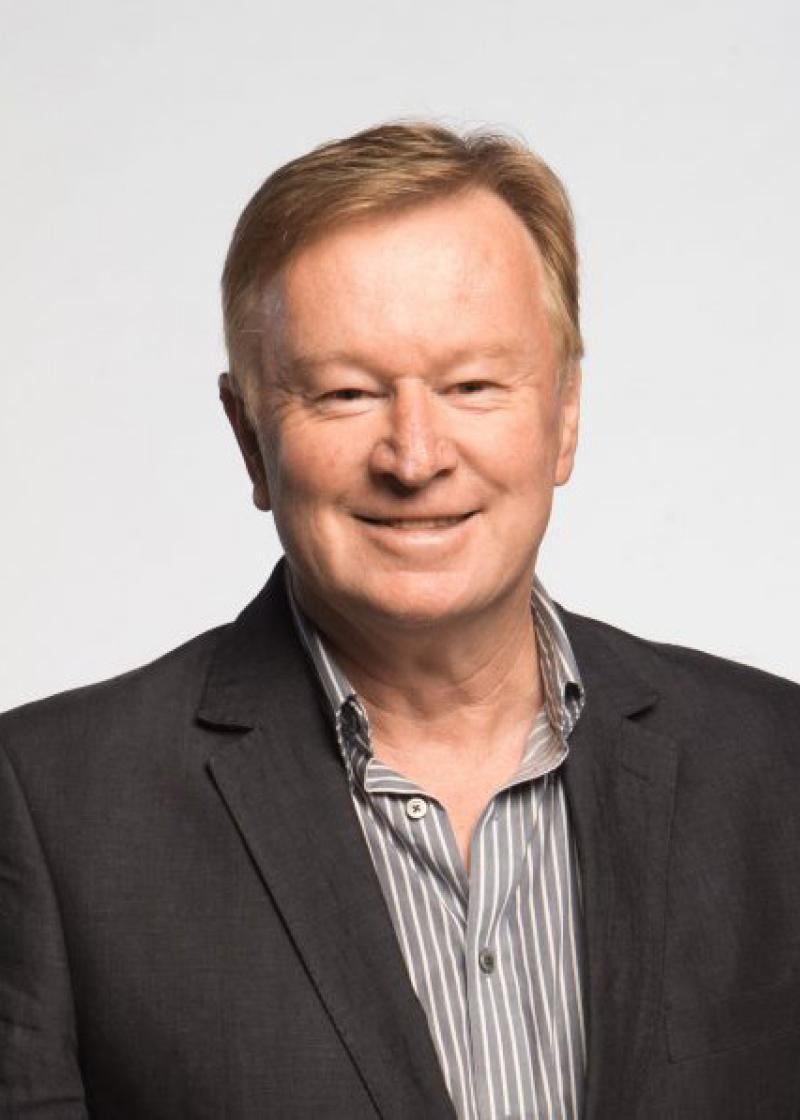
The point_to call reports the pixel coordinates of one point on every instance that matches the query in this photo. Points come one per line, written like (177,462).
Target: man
(406,839)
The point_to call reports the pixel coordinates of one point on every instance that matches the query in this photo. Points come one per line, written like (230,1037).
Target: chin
(415,600)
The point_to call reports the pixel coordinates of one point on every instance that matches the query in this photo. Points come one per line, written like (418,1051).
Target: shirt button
(486,960)
(416,808)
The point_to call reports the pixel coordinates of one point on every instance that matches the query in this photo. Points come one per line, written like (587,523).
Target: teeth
(420,522)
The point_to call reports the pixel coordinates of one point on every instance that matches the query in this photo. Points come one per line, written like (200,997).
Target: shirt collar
(564,694)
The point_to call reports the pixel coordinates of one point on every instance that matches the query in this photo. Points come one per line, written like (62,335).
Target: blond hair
(380,171)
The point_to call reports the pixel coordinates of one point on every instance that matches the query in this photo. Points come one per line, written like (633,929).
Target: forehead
(455,273)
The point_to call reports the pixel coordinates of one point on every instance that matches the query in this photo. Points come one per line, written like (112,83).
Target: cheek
(522,456)
(305,466)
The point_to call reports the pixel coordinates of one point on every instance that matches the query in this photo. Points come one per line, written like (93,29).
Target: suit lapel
(280,775)
(619,779)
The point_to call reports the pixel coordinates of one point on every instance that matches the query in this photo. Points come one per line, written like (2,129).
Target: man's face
(410,424)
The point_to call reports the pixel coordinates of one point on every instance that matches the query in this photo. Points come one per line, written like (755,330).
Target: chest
(483,897)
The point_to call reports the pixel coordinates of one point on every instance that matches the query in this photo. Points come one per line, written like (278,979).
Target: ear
(247,439)
(570,405)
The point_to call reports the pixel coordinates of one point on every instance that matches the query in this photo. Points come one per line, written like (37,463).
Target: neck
(464,687)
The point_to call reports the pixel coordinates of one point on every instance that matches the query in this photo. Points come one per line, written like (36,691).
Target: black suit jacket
(191,924)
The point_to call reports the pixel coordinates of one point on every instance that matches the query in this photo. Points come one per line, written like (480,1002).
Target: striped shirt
(496,957)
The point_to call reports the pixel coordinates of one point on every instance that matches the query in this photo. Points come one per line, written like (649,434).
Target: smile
(418,524)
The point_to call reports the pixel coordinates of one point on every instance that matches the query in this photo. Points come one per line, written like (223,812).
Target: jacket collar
(256,657)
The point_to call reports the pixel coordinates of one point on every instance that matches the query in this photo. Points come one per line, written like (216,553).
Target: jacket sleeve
(39,1072)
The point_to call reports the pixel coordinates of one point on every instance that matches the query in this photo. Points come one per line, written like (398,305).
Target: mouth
(418,524)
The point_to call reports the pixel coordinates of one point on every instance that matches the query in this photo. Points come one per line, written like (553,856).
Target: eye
(470,388)
(346,401)
(345,395)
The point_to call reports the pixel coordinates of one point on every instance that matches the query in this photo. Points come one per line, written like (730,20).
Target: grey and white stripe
(496,957)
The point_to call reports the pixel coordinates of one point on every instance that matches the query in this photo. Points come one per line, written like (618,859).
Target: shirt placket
(483,964)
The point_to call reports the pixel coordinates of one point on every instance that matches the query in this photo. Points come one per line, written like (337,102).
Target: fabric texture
(191,924)
(496,957)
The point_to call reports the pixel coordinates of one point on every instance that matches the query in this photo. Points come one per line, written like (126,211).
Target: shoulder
(152,714)
(691,684)
(161,692)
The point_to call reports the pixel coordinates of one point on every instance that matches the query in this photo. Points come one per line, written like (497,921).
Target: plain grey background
(134,133)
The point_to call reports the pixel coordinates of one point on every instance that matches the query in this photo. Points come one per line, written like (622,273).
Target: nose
(414,449)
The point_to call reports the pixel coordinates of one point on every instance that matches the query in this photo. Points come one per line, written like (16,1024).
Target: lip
(434,523)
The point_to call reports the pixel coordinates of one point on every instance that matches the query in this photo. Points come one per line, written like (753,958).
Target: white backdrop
(134,132)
